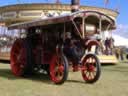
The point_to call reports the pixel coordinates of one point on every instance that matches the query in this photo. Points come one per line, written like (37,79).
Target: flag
(106,2)
(58,2)
(117,8)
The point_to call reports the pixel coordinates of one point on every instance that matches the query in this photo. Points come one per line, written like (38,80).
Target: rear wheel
(18,57)
(91,68)
(58,69)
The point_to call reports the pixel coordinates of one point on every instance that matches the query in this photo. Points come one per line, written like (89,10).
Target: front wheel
(58,69)
(91,68)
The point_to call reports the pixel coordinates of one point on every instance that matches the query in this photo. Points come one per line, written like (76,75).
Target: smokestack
(75,4)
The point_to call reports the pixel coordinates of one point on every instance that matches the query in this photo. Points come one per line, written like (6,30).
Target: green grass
(113,82)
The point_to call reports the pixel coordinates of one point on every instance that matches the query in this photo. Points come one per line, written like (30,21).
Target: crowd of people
(105,46)
(108,48)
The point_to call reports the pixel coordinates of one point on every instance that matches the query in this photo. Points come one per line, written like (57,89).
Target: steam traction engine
(43,45)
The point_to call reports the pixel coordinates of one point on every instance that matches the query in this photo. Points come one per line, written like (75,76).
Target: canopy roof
(92,17)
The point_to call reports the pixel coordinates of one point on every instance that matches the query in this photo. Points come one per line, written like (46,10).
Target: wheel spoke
(93,74)
(61,68)
(91,68)
(89,76)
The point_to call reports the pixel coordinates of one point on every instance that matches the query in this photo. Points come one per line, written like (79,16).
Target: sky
(121,5)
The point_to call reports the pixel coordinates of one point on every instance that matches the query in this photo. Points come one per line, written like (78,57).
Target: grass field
(113,82)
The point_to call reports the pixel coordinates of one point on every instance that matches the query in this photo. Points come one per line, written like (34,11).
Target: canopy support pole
(100,27)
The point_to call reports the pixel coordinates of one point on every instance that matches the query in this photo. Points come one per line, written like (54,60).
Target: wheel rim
(57,69)
(89,68)
(18,57)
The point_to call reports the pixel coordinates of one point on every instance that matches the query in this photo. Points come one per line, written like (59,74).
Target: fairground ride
(19,13)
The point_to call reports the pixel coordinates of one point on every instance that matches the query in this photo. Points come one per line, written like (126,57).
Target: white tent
(120,41)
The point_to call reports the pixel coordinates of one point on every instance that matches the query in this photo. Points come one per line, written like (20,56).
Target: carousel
(19,13)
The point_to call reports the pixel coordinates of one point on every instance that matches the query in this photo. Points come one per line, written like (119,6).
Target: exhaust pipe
(75,4)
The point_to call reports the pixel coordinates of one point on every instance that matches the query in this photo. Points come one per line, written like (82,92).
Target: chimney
(75,4)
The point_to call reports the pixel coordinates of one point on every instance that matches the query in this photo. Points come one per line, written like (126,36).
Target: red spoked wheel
(91,68)
(58,69)
(18,57)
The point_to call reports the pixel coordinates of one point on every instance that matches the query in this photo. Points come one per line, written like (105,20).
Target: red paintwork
(18,57)
(56,69)
(88,68)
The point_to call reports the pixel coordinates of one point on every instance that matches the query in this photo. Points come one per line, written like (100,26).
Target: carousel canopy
(92,17)
(12,14)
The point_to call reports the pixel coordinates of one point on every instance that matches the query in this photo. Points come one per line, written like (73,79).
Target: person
(71,50)
(107,45)
(99,48)
(121,54)
(111,45)
(117,52)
